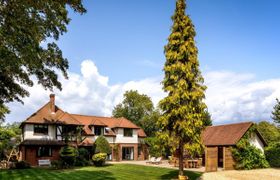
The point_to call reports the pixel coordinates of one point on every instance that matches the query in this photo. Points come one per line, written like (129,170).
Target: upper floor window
(127,132)
(98,130)
(44,152)
(40,129)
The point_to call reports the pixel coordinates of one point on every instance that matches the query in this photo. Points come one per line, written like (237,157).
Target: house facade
(48,129)
(218,141)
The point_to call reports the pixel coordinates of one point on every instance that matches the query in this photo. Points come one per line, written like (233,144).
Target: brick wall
(29,154)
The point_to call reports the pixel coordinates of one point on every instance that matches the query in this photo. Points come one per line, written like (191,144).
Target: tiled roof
(228,134)
(141,133)
(110,122)
(44,116)
(42,142)
(86,142)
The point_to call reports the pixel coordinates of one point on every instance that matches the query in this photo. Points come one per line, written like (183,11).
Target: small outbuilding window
(40,129)
(127,132)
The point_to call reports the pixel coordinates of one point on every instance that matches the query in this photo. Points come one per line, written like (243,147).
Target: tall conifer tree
(183,108)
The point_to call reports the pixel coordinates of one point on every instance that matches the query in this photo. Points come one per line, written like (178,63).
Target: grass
(109,172)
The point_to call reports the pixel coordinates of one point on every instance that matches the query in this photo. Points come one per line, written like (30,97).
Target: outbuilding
(218,141)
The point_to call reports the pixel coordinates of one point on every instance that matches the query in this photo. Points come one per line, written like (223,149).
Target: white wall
(122,139)
(255,141)
(28,132)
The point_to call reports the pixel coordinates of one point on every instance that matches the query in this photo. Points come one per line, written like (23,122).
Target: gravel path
(257,174)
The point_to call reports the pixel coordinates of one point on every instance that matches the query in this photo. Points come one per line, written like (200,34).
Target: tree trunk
(181,158)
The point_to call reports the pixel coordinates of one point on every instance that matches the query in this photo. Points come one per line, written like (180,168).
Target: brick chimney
(52,103)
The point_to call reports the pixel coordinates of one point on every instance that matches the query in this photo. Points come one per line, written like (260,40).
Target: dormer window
(98,130)
(127,132)
(41,129)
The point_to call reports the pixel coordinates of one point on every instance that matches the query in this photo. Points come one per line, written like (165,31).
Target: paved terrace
(164,164)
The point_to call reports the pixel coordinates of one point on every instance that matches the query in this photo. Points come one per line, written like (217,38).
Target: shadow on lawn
(174,175)
(96,175)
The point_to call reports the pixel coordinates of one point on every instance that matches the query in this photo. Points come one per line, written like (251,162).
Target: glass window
(127,132)
(44,152)
(40,129)
(98,130)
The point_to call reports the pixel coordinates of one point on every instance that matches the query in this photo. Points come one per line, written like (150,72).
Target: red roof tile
(228,134)
(44,116)
(86,142)
(141,133)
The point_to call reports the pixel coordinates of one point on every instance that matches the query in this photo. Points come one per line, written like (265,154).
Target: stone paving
(164,164)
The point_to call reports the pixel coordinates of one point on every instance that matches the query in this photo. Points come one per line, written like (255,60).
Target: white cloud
(85,93)
(231,97)
(234,97)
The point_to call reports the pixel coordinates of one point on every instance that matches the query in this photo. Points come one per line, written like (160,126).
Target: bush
(57,164)
(248,156)
(22,165)
(68,156)
(82,159)
(99,159)
(101,145)
(272,153)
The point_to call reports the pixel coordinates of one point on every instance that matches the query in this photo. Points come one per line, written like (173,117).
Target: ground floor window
(44,151)
(127,153)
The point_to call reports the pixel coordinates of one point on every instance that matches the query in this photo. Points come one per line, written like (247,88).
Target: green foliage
(82,158)
(68,156)
(183,109)
(276,112)
(101,145)
(9,137)
(248,156)
(269,131)
(139,109)
(207,121)
(22,165)
(156,147)
(57,164)
(99,159)
(272,153)
(29,31)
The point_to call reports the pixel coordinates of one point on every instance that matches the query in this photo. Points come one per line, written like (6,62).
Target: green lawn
(117,171)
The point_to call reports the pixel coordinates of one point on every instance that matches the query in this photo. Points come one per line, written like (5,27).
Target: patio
(164,164)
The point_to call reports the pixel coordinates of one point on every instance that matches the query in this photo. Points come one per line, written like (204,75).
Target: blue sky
(125,38)
(118,46)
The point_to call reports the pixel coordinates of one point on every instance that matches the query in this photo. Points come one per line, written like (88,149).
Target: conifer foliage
(183,108)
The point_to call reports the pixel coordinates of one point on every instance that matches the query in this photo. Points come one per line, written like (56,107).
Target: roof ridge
(93,116)
(246,122)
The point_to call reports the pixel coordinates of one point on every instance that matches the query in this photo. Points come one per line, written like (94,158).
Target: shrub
(101,145)
(99,159)
(57,164)
(68,156)
(248,156)
(272,153)
(82,159)
(22,165)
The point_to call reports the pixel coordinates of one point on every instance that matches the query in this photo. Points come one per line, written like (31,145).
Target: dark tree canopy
(139,109)
(183,108)
(24,26)
(269,131)
(276,112)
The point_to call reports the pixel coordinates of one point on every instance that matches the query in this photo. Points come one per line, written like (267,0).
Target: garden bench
(44,162)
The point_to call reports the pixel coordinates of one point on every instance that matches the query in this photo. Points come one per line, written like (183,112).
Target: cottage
(45,132)
(218,141)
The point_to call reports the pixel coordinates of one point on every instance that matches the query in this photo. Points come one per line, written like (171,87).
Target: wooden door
(211,159)
(228,159)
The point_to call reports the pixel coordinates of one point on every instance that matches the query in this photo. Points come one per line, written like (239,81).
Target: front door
(127,153)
